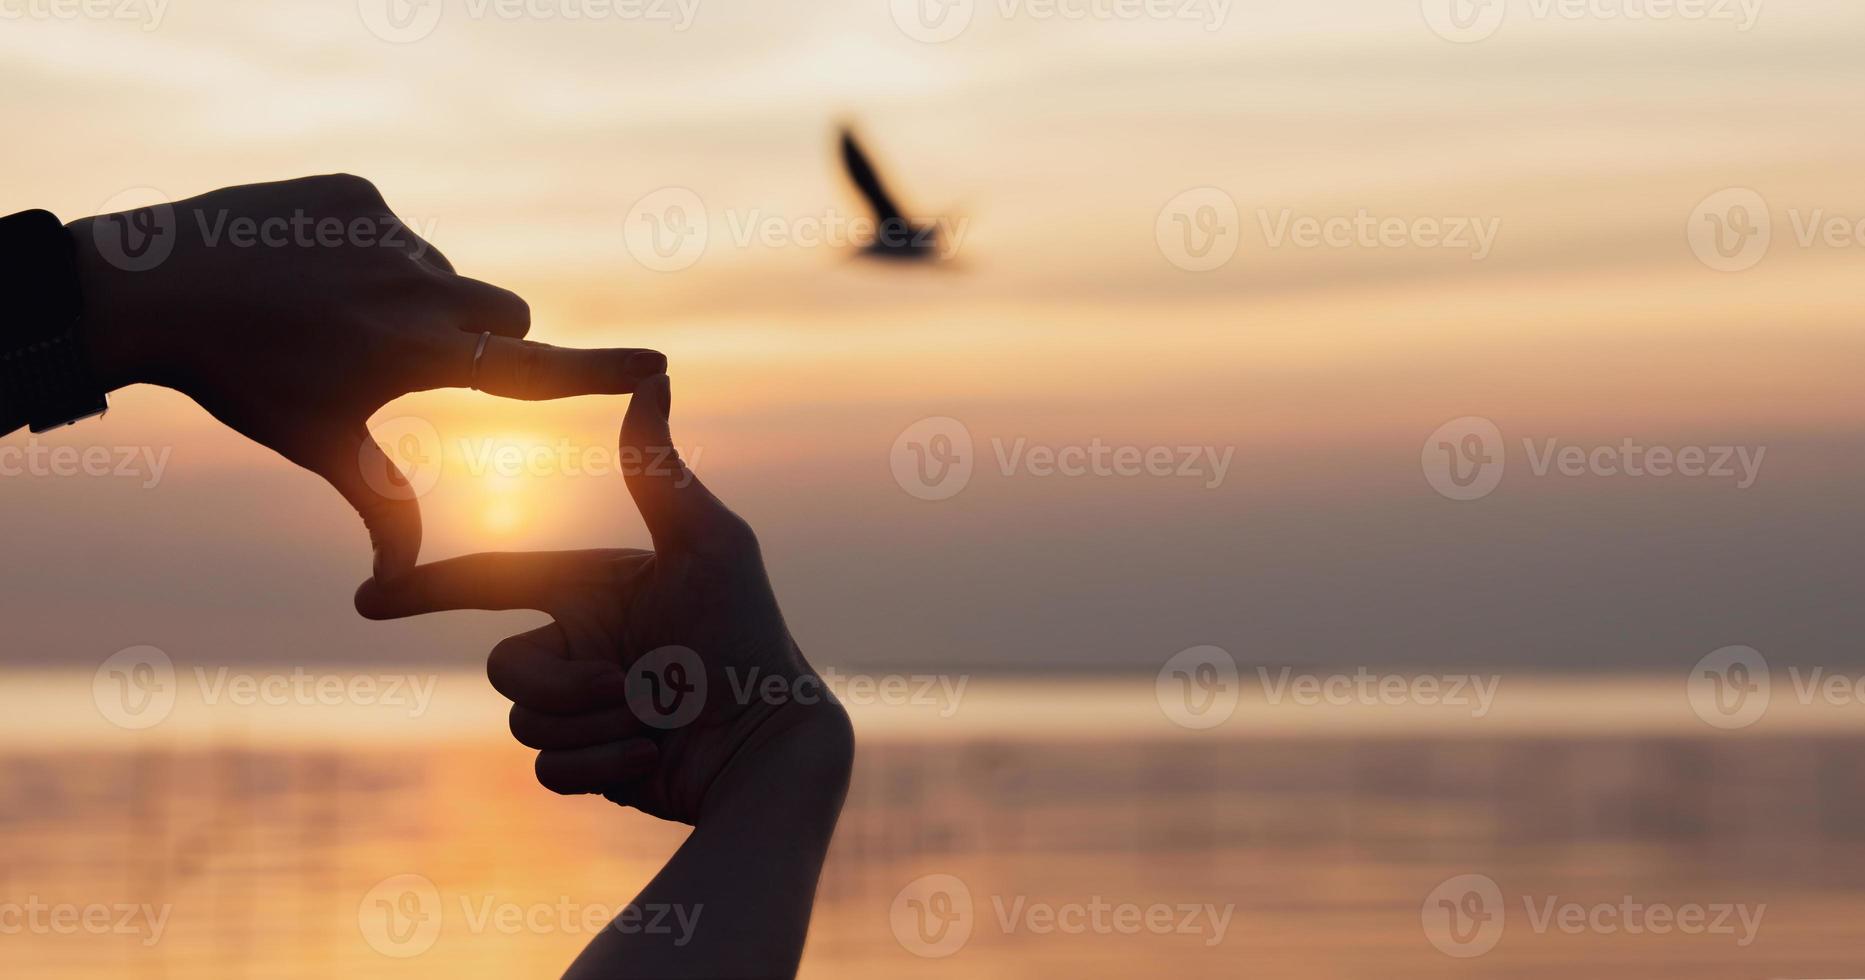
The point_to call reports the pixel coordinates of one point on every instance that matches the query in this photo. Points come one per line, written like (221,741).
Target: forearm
(745,880)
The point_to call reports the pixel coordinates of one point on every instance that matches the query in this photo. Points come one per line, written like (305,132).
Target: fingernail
(647,363)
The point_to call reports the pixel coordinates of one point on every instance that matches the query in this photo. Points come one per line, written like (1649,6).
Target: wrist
(107,324)
(811,743)
(801,753)
(820,742)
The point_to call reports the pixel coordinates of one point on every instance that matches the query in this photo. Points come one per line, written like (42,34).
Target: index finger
(536,669)
(524,369)
(539,580)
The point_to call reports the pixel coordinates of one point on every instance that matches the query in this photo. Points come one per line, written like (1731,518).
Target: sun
(508,486)
(504,515)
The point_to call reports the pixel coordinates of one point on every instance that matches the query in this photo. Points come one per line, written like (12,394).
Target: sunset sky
(1586,144)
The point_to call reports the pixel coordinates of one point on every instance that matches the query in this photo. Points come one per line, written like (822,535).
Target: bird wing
(862,172)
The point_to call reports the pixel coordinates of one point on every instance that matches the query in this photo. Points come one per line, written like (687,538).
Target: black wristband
(45,372)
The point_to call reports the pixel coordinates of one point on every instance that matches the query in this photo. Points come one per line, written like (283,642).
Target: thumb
(381,494)
(675,506)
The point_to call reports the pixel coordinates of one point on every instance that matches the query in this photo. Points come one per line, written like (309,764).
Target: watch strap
(45,373)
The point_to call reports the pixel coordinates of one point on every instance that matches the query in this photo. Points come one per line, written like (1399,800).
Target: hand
(293,311)
(662,669)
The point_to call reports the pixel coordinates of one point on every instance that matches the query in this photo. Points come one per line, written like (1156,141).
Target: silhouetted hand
(293,311)
(662,668)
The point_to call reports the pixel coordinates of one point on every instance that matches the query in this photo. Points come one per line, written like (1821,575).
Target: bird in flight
(895,237)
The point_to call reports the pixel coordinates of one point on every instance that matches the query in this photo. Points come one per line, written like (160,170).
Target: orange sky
(524,144)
